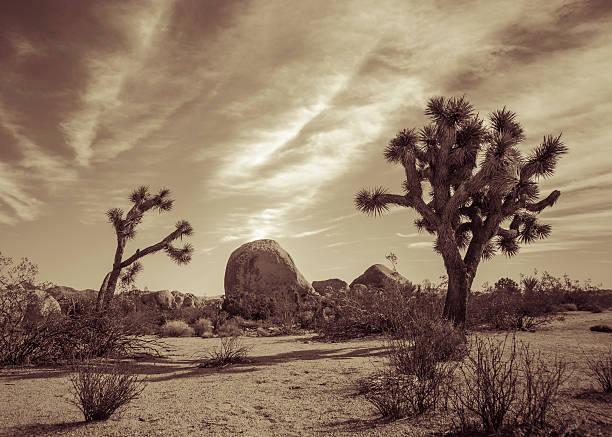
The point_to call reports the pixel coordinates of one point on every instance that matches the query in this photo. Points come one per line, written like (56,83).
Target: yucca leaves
(372,202)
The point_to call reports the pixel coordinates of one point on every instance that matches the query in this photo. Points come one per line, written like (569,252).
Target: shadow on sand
(40,429)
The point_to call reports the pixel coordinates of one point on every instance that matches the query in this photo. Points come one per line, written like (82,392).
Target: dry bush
(569,307)
(419,369)
(229,328)
(101,389)
(541,381)
(230,351)
(504,386)
(600,368)
(386,390)
(489,379)
(203,327)
(176,328)
(44,341)
(372,311)
(110,333)
(509,311)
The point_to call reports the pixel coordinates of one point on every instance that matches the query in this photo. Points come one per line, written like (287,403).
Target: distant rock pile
(40,305)
(169,300)
(330,286)
(380,276)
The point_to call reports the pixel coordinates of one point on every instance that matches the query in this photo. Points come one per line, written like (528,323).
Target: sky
(265,117)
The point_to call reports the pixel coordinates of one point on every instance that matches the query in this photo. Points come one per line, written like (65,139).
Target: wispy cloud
(399,234)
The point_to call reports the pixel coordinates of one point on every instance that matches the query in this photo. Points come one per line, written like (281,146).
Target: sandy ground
(292,386)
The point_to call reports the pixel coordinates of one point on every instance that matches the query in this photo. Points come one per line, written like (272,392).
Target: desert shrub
(601,328)
(45,341)
(590,306)
(509,310)
(229,328)
(600,368)
(569,307)
(489,390)
(541,381)
(86,333)
(504,386)
(176,328)
(372,311)
(203,327)
(418,370)
(101,389)
(230,351)
(386,391)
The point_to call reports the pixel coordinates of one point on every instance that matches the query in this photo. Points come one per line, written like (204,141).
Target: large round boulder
(261,275)
(40,305)
(330,286)
(380,276)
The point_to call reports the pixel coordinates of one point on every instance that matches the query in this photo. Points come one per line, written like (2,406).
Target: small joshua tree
(478,180)
(392,258)
(125,229)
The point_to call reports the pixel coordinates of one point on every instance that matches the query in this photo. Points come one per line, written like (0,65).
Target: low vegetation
(231,350)
(600,367)
(100,389)
(503,385)
(176,328)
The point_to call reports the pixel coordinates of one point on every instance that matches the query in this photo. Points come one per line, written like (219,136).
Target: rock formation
(40,305)
(263,273)
(330,286)
(380,276)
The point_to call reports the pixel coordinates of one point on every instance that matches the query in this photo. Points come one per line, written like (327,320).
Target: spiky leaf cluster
(475,176)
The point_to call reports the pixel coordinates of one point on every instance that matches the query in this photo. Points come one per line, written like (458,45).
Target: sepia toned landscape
(269,218)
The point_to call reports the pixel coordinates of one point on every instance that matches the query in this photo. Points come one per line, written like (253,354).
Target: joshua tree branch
(544,203)
(153,248)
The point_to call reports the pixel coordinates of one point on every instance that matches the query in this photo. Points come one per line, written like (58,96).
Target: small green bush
(101,389)
(203,328)
(176,328)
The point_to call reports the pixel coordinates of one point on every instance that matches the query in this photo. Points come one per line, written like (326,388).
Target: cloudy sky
(265,117)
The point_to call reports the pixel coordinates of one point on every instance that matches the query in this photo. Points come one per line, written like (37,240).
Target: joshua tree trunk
(107,290)
(456,297)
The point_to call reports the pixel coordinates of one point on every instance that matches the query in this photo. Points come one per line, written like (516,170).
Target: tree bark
(455,306)
(107,290)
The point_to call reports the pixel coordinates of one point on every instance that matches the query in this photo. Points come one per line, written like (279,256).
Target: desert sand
(290,386)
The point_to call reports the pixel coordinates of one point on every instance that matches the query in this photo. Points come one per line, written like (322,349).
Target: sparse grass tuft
(230,351)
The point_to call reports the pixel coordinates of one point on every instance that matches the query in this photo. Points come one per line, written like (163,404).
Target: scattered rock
(380,276)
(40,305)
(601,328)
(330,286)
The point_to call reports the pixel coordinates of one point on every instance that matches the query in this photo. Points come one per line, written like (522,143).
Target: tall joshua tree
(125,229)
(483,193)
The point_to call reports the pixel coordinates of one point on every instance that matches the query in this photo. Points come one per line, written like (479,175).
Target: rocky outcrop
(62,292)
(40,305)
(330,286)
(263,273)
(170,300)
(380,276)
